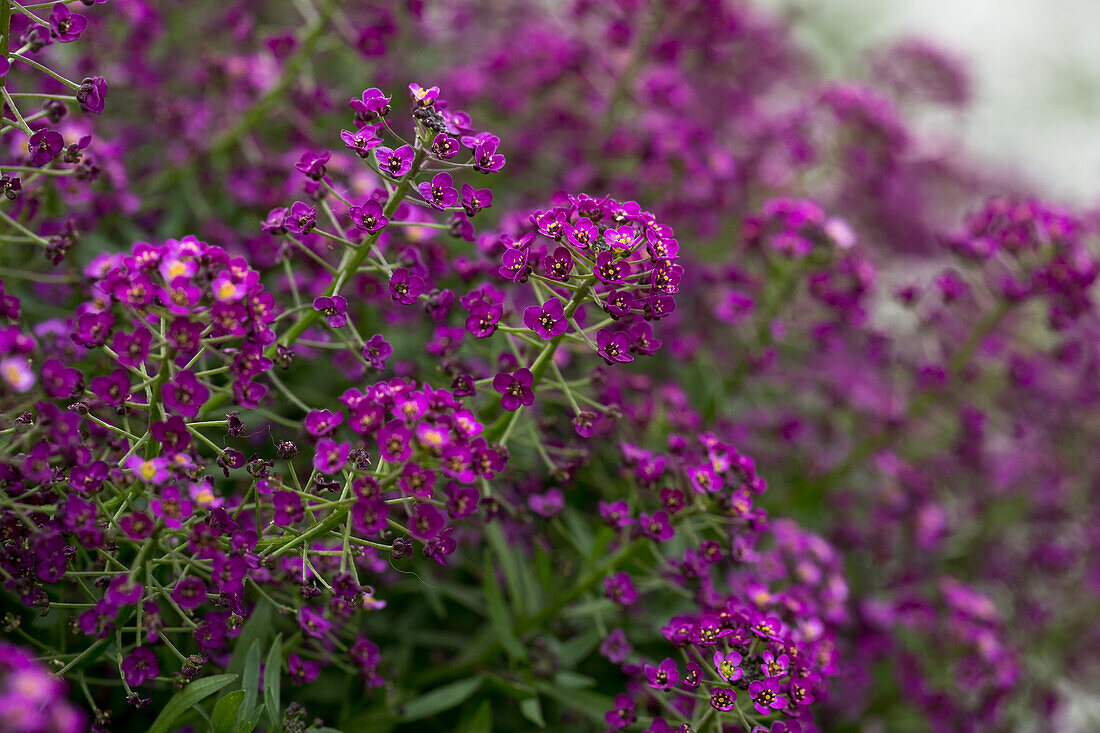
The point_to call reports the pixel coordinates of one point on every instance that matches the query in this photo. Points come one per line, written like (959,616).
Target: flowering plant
(631,378)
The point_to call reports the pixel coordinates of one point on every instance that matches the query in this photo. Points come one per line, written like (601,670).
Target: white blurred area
(1035,70)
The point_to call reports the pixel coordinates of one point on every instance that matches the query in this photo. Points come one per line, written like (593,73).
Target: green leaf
(572,680)
(513,572)
(579,647)
(481,721)
(247,725)
(250,681)
(224,718)
(532,710)
(499,618)
(441,698)
(273,672)
(578,526)
(435,602)
(194,693)
(256,628)
(592,704)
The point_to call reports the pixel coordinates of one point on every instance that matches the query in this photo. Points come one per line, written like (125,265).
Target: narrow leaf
(532,710)
(273,671)
(499,617)
(481,721)
(224,718)
(250,681)
(442,698)
(257,627)
(248,725)
(194,693)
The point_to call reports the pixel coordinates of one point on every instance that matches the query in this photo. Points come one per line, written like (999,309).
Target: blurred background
(1035,70)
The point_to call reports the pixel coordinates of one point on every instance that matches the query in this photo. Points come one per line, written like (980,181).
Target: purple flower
(616,514)
(65,25)
(474,200)
(149,470)
(417,480)
(45,145)
(288,508)
(461,500)
(709,631)
(620,239)
(581,234)
(704,479)
(486,157)
(665,277)
(426,522)
(189,592)
(558,264)
(132,349)
(514,265)
(552,223)
(610,270)
(547,321)
(395,441)
(620,589)
(623,713)
(302,671)
(641,337)
(275,223)
(319,423)
(301,219)
(773,666)
(184,394)
(376,350)
(140,664)
(440,193)
(423,97)
(801,689)
(613,346)
(656,525)
(331,456)
(766,627)
(445,147)
(722,698)
(313,164)
(457,462)
(312,623)
(372,104)
(515,388)
(136,525)
(663,676)
(728,666)
(172,507)
(369,516)
(17,373)
(395,162)
(548,504)
(765,696)
(615,647)
(483,319)
(60,381)
(368,217)
(92,95)
(334,308)
(406,287)
(362,141)
(693,674)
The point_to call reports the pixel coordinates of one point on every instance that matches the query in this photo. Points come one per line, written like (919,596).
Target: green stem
(542,361)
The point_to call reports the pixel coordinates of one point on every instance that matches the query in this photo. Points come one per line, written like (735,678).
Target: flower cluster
(381,444)
(34,701)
